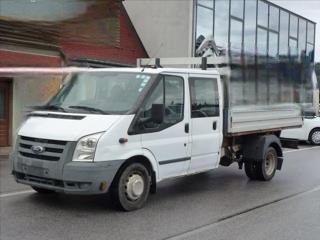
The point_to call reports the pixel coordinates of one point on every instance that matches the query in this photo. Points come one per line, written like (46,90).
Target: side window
(204,97)
(170,93)
(174,102)
(155,98)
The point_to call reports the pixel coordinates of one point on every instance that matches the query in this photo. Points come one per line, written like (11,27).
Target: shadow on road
(215,183)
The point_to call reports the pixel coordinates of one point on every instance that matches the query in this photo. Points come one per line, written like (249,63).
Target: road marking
(15,193)
(302,149)
(200,229)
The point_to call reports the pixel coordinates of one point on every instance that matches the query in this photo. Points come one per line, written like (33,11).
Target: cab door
(206,124)
(169,141)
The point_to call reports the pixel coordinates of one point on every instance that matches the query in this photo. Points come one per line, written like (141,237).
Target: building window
(310,52)
(204,22)
(284,33)
(293,46)
(250,22)
(206,3)
(302,34)
(221,23)
(293,26)
(262,14)
(236,35)
(311,31)
(237,8)
(273,44)
(262,42)
(274,19)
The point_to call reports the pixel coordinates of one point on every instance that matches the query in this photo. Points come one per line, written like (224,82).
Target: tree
(318,71)
(317,68)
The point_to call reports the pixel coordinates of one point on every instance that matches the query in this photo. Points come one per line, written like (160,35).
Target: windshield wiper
(91,109)
(50,107)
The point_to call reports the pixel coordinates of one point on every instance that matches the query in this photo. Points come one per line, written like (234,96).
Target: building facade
(177,28)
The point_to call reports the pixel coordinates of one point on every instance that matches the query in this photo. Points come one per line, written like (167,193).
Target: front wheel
(263,170)
(131,187)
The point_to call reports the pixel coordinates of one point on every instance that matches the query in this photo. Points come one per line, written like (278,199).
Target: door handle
(186,128)
(214,126)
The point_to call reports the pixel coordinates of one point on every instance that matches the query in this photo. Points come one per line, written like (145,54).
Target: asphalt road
(221,204)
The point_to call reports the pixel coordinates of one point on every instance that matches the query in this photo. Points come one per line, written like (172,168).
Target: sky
(309,9)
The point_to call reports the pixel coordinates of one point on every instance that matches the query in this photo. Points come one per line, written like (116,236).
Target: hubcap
(316,137)
(134,187)
(270,163)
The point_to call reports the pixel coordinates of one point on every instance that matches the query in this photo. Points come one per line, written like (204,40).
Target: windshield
(101,92)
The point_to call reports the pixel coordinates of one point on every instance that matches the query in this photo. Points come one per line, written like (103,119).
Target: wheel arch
(255,146)
(278,148)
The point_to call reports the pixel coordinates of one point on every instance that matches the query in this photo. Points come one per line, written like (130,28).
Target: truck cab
(122,130)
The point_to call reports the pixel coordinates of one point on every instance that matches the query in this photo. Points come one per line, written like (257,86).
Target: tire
(251,169)
(314,137)
(131,187)
(265,169)
(42,190)
(269,164)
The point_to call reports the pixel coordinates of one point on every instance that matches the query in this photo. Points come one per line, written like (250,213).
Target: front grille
(42,157)
(52,149)
(48,149)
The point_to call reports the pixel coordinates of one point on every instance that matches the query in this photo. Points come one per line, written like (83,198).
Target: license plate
(36,171)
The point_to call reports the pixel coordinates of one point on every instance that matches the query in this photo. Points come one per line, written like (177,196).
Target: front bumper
(77,178)
(53,169)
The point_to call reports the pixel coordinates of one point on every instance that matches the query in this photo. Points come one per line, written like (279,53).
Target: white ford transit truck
(123,130)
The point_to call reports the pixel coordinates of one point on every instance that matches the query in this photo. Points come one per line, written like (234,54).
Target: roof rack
(219,63)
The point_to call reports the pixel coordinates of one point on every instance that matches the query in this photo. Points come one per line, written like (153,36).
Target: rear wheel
(314,136)
(265,169)
(42,190)
(269,165)
(251,169)
(131,187)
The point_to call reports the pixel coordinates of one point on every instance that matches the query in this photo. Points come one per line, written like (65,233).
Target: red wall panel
(18,59)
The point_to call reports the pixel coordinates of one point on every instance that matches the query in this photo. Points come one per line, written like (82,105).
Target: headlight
(86,148)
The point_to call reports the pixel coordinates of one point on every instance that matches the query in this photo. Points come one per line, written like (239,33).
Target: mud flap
(280,162)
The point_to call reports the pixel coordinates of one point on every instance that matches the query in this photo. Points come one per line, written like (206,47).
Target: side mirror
(157,113)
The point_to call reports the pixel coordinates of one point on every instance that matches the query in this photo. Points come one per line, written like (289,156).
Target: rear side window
(204,97)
